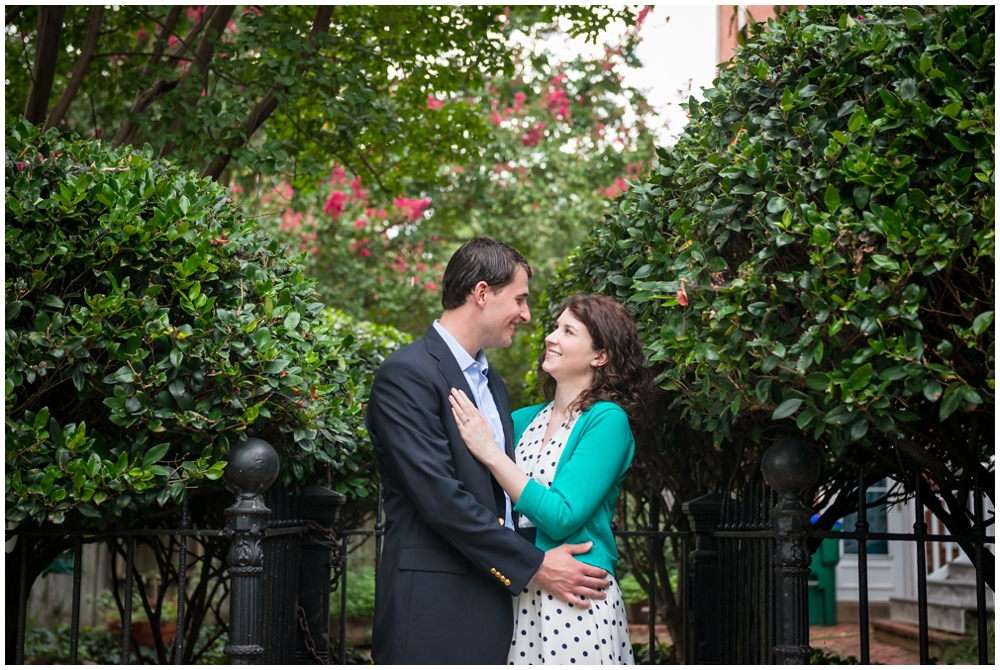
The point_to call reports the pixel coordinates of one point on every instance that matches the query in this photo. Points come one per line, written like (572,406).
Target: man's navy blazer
(449,568)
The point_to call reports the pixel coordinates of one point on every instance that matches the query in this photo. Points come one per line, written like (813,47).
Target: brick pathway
(845,639)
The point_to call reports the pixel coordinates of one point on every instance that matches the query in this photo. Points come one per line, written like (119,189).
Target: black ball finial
(790,467)
(253,466)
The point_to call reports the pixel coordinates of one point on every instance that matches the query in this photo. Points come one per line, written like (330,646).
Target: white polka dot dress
(547,629)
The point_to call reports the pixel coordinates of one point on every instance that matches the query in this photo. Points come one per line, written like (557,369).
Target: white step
(940,616)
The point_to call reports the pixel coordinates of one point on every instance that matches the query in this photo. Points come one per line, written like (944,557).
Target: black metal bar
(127,609)
(920,531)
(342,654)
(181,584)
(74,627)
(682,585)
(126,532)
(653,522)
(22,603)
(980,527)
(862,528)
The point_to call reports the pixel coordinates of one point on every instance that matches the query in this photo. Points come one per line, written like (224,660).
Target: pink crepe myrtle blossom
(430,286)
(643,13)
(194,13)
(412,209)
(291,221)
(335,205)
(358,191)
(172,40)
(337,175)
(519,99)
(534,135)
(140,35)
(360,223)
(434,103)
(365,253)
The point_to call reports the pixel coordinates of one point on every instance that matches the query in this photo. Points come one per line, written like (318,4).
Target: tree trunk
(265,106)
(80,70)
(50,25)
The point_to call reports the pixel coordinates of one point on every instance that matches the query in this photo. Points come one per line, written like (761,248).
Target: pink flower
(251,10)
(357,191)
(172,41)
(534,135)
(194,13)
(431,286)
(434,103)
(364,253)
(412,209)
(642,16)
(360,223)
(495,117)
(20,166)
(291,221)
(337,176)
(335,205)
(140,35)
(519,99)
(682,296)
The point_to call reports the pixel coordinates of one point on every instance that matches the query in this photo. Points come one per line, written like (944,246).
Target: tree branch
(12,13)
(80,70)
(267,104)
(50,26)
(143,99)
(220,16)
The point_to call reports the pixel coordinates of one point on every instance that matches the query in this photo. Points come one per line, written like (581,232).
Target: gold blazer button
(500,519)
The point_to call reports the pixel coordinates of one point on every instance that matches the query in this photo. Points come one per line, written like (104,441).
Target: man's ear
(479,293)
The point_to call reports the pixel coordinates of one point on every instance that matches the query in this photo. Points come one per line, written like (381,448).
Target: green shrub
(360,594)
(148,327)
(815,258)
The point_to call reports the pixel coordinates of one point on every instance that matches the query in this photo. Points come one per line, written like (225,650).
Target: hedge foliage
(149,327)
(816,255)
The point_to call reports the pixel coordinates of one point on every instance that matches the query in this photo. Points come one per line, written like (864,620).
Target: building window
(877,516)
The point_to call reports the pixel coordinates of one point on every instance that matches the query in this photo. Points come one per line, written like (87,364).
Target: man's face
(504,310)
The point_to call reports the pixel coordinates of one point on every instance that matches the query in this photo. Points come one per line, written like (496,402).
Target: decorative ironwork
(253,467)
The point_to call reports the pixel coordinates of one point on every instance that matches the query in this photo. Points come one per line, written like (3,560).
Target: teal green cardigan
(580,503)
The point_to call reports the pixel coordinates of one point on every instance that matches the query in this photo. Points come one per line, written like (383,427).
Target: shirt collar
(462,356)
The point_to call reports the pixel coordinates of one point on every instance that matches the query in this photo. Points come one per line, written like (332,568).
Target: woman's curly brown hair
(624,379)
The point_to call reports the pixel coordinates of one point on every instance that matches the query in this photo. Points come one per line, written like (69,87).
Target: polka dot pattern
(547,629)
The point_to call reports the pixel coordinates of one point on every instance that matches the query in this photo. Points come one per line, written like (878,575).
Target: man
(452,558)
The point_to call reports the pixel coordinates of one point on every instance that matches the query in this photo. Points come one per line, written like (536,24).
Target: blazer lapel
(453,374)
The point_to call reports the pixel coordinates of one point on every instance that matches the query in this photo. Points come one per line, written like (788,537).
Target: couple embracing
(498,542)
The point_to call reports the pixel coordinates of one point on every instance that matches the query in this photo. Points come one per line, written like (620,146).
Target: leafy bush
(815,259)
(360,594)
(96,645)
(148,327)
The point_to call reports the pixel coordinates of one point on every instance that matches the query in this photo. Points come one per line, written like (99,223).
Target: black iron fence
(743,568)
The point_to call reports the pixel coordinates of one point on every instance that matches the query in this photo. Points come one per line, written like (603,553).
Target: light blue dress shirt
(475,370)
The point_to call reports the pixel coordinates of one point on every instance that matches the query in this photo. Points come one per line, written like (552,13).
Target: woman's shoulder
(606,407)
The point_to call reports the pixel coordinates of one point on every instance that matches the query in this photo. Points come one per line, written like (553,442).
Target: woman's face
(569,350)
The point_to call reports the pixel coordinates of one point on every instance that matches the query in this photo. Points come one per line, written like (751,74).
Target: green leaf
(982,322)
(885,263)
(292,320)
(959,143)
(786,409)
(154,454)
(860,377)
(821,236)
(818,381)
(951,401)
(276,366)
(932,391)
(832,198)
(839,415)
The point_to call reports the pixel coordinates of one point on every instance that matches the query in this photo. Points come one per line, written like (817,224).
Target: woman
(571,456)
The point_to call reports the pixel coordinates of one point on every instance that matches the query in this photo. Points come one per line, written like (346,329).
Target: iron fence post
(704,642)
(322,506)
(790,468)
(253,466)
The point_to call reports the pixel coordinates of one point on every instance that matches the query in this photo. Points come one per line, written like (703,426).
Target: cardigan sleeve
(583,481)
